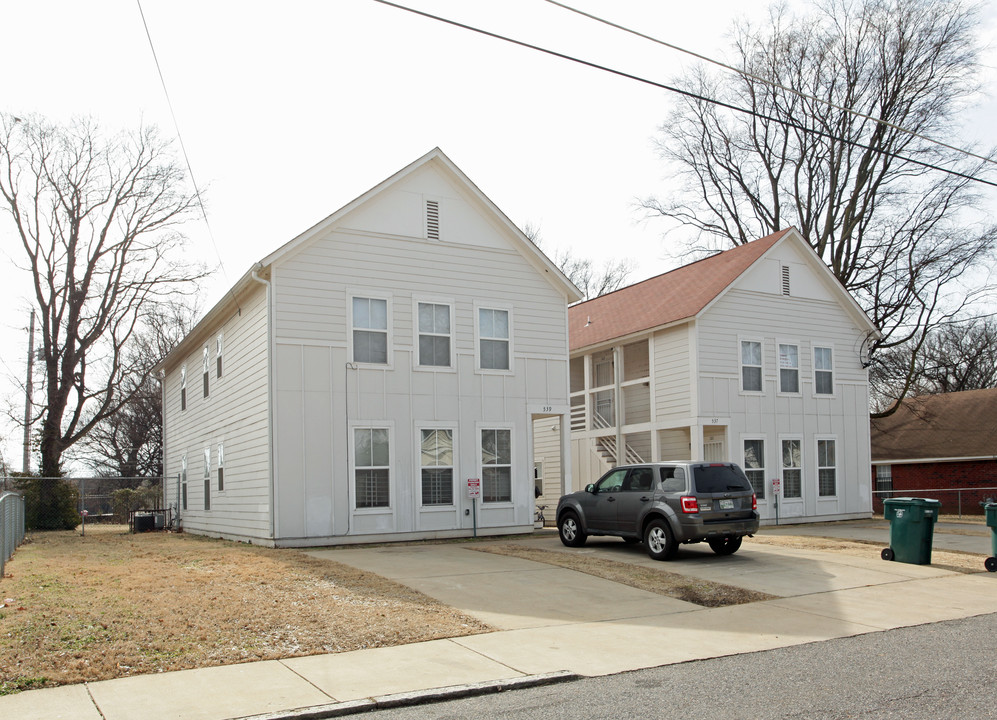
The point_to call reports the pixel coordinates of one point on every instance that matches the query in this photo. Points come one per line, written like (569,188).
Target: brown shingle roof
(948,425)
(663,299)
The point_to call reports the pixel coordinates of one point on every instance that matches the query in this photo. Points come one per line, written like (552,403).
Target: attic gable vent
(433,219)
(785,279)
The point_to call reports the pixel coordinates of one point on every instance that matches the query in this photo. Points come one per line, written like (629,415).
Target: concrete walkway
(947,535)
(551,624)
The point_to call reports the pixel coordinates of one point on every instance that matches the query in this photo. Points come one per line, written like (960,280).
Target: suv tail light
(754,501)
(689,504)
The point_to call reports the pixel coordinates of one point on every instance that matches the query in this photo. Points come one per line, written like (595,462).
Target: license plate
(726,504)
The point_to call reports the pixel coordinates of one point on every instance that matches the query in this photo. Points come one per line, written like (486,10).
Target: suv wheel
(659,541)
(725,545)
(570,530)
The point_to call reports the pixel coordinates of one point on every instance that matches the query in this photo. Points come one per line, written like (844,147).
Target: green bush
(125,500)
(49,503)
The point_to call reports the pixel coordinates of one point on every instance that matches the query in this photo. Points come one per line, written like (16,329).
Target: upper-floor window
(434,334)
(823,371)
(204,371)
(789,368)
(370,330)
(218,356)
(183,387)
(493,339)
(751,366)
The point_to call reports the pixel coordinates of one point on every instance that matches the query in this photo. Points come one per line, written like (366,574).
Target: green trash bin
(991,512)
(912,524)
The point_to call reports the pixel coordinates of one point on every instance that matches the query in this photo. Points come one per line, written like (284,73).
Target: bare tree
(822,150)
(129,443)
(592,281)
(954,357)
(96,217)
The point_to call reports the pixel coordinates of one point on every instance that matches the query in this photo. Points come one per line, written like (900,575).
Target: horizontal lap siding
(235,414)
(313,288)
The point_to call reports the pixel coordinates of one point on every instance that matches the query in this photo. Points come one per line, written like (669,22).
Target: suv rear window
(720,479)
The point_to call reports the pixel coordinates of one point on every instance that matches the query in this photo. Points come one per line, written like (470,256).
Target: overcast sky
(290,110)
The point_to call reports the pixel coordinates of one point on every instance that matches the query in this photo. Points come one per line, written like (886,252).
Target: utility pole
(26,459)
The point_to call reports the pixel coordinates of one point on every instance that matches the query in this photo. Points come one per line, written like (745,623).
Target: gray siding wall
(771,415)
(235,415)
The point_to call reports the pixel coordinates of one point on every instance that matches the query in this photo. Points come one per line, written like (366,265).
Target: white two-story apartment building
(354,384)
(755,355)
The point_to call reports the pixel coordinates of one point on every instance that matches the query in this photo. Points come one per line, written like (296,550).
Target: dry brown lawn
(110,604)
(656,580)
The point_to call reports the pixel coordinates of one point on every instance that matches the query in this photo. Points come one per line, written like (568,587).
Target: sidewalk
(551,624)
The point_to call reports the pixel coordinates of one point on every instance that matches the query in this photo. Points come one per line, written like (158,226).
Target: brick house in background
(938,442)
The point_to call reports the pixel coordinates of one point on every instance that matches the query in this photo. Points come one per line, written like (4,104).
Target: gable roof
(685,292)
(664,299)
(947,426)
(205,327)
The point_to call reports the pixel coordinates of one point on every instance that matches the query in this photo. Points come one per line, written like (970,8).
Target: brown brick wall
(909,480)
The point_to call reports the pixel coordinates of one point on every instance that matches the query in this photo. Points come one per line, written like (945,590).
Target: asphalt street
(930,672)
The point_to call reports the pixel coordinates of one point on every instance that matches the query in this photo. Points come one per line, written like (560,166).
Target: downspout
(270,394)
(161,376)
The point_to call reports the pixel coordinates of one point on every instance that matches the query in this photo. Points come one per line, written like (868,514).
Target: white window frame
(478,307)
(183,388)
(391,467)
(221,468)
(837,473)
(740,365)
(813,363)
(479,429)
(205,374)
(366,295)
(801,468)
(183,482)
(417,332)
(219,348)
(207,479)
(778,362)
(452,427)
(764,468)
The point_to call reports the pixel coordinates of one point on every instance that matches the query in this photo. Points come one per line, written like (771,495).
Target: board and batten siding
(235,415)
(806,322)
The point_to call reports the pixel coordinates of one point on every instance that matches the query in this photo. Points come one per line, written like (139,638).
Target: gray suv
(663,505)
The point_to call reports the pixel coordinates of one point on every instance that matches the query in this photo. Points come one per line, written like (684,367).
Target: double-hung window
(434,334)
(496,465)
(754,465)
(823,371)
(436,458)
(792,468)
(827,469)
(221,467)
(789,368)
(751,366)
(370,330)
(493,339)
(183,481)
(218,356)
(204,371)
(207,478)
(372,467)
(183,387)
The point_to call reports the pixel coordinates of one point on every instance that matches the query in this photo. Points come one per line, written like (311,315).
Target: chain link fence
(955,501)
(61,503)
(11,526)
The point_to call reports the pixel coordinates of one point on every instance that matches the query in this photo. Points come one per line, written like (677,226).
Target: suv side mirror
(590,488)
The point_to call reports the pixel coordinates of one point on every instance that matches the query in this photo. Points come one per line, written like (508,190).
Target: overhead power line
(772,83)
(680,91)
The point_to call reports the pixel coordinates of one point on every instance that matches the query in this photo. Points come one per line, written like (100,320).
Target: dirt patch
(111,604)
(952,560)
(662,582)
